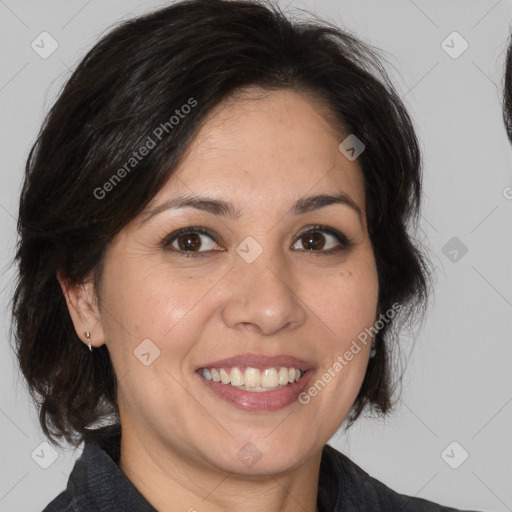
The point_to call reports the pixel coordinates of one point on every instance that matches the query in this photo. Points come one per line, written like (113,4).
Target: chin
(260,456)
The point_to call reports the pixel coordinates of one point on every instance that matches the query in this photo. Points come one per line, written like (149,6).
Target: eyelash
(344,242)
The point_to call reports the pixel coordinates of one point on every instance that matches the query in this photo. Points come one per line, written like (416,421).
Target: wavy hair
(132,81)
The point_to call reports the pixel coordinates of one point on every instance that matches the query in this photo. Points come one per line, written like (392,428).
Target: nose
(263,296)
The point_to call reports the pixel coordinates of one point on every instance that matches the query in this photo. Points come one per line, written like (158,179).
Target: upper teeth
(253,377)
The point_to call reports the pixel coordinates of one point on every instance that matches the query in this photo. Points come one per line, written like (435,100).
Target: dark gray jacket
(96,484)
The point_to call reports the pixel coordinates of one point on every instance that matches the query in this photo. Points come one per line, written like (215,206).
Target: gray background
(458,383)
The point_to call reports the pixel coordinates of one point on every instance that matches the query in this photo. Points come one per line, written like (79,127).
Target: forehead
(258,145)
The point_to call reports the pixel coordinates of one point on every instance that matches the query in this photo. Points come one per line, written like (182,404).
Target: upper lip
(259,361)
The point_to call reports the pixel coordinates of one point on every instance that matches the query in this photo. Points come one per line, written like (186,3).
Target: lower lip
(263,401)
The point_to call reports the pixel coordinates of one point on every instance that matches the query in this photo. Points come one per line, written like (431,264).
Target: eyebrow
(223,208)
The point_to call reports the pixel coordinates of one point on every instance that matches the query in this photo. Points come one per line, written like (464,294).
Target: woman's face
(254,283)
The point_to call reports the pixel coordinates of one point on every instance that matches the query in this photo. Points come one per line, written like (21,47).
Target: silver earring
(373,351)
(88,336)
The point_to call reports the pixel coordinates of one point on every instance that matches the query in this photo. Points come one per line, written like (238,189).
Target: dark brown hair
(507,92)
(131,82)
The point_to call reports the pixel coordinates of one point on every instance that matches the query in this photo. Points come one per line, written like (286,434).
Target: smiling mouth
(254,379)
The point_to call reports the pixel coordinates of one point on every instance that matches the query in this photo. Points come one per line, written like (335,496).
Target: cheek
(148,308)
(144,300)
(348,311)
(348,308)
(347,304)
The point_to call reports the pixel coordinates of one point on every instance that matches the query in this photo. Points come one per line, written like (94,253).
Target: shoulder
(96,482)
(75,497)
(62,503)
(93,463)
(348,487)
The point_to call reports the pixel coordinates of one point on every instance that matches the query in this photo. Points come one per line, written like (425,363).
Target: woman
(213,255)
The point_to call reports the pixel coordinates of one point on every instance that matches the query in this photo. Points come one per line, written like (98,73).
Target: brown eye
(313,241)
(322,240)
(188,241)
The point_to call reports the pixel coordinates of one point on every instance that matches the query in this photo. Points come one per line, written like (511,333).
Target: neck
(171,482)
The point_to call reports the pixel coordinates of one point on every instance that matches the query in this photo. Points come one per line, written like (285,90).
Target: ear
(83,308)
